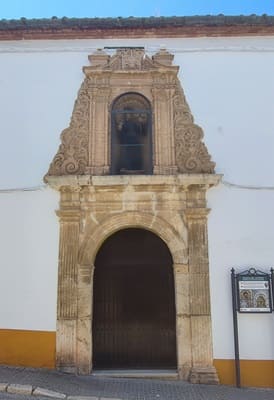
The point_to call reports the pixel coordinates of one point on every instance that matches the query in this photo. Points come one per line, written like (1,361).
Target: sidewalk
(65,386)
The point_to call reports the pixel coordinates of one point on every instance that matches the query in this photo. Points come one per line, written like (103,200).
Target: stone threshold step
(137,373)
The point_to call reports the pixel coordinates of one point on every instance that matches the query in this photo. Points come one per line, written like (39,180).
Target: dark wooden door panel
(134,310)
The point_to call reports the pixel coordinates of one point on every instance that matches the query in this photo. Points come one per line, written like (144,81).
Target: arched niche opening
(134,319)
(131,135)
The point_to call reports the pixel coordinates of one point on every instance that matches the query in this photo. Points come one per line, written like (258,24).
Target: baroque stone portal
(167,198)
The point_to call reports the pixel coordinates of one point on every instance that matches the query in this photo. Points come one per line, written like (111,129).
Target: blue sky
(113,8)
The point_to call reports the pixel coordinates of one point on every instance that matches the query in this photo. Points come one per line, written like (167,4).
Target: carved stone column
(67,283)
(202,362)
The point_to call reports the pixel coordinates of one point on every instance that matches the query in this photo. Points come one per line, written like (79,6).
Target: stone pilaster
(164,153)
(67,289)
(183,327)
(202,359)
(98,145)
(85,307)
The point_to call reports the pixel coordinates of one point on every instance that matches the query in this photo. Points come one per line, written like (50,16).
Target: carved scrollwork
(190,152)
(72,155)
(171,112)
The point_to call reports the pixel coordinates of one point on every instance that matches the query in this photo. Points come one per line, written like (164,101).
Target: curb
(19,389)
(14,388)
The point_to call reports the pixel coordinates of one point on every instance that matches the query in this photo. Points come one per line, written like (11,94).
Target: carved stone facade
(171,202)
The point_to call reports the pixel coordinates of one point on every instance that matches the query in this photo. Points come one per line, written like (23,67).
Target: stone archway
(96,233)
(169,201)
(94,236)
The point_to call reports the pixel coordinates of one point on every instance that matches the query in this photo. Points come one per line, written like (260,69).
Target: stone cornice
(182,180)
(190,26)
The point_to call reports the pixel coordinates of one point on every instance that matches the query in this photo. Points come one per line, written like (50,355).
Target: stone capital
(196,213)
(71,215)
(162,93)
(100,93)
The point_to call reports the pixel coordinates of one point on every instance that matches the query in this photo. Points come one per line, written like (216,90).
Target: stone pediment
(177,141)
(129,59)
(123,60)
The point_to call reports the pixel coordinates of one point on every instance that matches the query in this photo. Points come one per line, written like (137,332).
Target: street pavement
(45,384)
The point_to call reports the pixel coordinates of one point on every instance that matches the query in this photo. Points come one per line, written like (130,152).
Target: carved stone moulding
(185,181)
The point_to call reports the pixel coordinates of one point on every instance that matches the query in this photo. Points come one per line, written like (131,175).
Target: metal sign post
(272,280)
(235,328)
(252,292)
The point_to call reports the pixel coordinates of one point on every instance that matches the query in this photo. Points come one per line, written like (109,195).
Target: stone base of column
(206,375)
(184,372)
(97,170)
(67,369)
(165,170)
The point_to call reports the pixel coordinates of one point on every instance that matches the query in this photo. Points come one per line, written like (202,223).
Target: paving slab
(99,387)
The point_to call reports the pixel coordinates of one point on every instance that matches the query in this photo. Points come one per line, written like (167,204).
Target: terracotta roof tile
(134,22)
(207,25)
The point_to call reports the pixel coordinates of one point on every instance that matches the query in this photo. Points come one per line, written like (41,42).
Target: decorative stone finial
(163,57)
(99,58)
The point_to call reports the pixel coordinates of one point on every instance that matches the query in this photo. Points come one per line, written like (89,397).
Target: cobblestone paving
(126,389)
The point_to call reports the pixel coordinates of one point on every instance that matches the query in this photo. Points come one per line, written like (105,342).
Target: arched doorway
(134,303)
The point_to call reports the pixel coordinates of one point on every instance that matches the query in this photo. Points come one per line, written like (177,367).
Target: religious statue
(131,132)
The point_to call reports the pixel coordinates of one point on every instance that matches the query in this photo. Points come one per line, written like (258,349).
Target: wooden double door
(134,303)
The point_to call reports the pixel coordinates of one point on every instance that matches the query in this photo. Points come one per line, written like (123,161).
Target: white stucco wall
(229,86)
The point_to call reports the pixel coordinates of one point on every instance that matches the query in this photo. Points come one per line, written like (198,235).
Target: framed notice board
(254,291)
